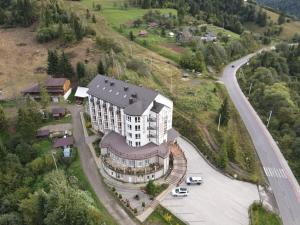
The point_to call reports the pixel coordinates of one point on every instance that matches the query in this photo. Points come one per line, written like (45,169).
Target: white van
(194,180)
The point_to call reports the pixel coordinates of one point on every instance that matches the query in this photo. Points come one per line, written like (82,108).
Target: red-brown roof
(43,133)
(58,111)
(50,82)
(117,144)
(61,142)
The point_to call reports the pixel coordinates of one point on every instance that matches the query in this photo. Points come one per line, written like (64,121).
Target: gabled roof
(49,84)
(61,142)
(53,82)
(133,99)
(58,111)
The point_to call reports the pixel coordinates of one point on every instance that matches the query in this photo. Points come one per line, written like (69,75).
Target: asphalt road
(282,181)
(220,200)
(91,171)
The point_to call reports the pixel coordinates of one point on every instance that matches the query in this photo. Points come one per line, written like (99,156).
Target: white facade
(151,126)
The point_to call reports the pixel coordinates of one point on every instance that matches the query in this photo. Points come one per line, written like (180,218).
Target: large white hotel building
(137,127)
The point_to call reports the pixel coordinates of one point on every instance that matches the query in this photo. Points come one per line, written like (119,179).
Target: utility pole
(269,118)
(130,50)
(54,159)
(171,83)
(250,88)
(219,122)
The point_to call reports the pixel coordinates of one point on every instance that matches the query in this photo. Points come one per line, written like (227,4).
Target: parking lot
(220,200)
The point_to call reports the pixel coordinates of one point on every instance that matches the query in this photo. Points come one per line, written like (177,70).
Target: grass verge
(75,169)
(260,216)
(162,216)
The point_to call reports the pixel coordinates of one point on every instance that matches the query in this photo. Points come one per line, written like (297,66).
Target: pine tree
(3,120)
(223,158)
(100,68)
(80,70)
(224,112)
(281,19)
(65,67)
(52,62)
(45,97)
(131,36)
(87,15)
(94,20)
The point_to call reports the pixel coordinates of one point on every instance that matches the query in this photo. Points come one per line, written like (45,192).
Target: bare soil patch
(21,60)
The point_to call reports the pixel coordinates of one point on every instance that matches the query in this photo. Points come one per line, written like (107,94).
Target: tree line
(275,80)
(32,192)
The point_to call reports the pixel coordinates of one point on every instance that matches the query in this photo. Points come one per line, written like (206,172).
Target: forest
(288,6)
(32,191)
(275,87)
(229,14)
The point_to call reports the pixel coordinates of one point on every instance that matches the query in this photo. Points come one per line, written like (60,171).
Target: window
(137,128)
(106,125)
(129,127)
(147,162)
(137,119)
(130,143)
(138,144)
(129,118)
(138,136)
(130,135)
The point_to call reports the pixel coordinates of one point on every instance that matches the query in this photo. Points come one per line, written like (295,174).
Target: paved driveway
(218,201)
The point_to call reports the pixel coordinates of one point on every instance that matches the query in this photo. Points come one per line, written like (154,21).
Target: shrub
(46,34)
(138,66)
(120,196)
(135,210)
(113,189)
(108,44)
(143,204)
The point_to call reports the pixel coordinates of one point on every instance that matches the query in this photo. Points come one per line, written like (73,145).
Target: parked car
(232,66)
(180,192)
(193,180)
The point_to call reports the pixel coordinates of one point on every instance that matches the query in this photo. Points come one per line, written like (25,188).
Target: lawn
(260,216)
(161,216)
(116,16)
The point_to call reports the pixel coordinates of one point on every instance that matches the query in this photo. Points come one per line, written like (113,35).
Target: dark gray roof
(117,144)
(112,91)
(157,107)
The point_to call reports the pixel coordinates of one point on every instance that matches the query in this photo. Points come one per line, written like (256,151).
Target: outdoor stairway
(179,166)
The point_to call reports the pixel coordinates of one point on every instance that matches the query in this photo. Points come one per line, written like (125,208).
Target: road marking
(275,172)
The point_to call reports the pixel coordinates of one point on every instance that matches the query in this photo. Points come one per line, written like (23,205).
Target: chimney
(125,88)
(112,83)
(131,100)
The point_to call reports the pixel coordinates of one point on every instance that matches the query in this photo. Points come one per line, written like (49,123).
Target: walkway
(91,171)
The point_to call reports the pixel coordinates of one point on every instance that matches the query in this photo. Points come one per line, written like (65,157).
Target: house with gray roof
(137,125)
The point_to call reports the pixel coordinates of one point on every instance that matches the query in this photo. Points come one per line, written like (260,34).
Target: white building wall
(103,119)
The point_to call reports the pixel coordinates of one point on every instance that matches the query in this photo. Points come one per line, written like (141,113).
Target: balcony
(151,136)
(124,169)
(151,128)
(152,119)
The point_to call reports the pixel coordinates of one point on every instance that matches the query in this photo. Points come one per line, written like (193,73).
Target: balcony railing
(152,119)
(124,169)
